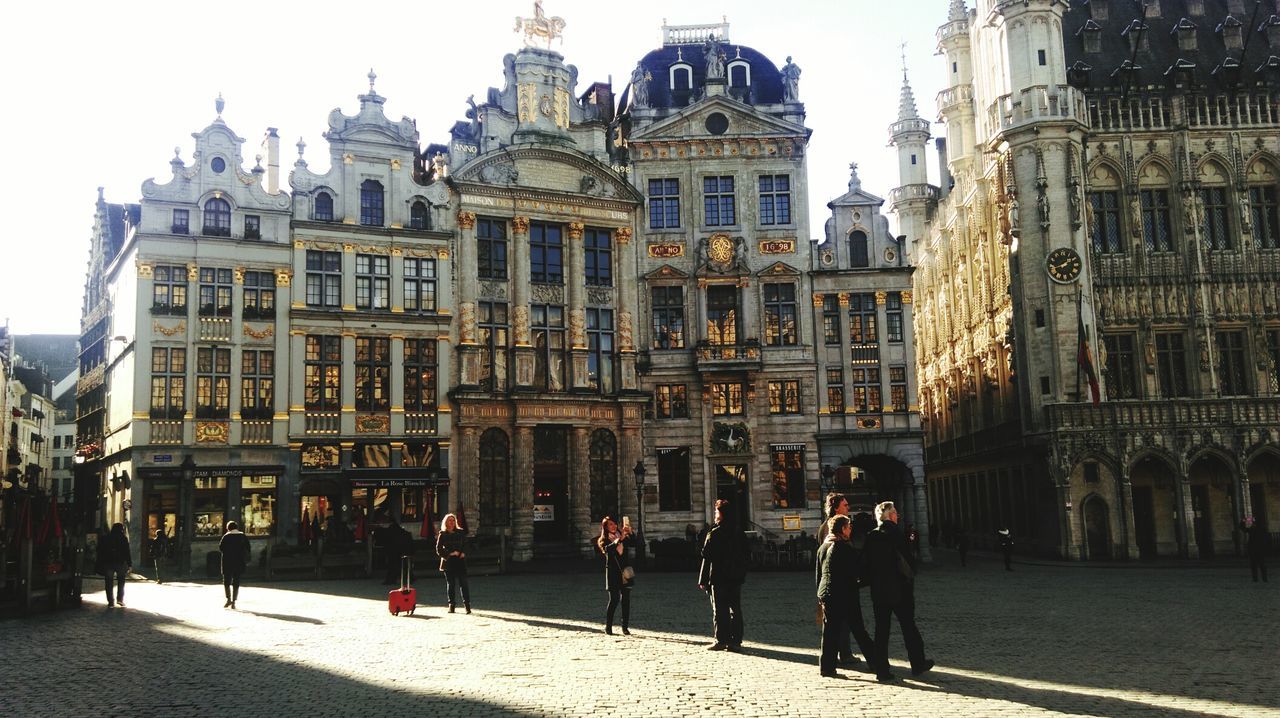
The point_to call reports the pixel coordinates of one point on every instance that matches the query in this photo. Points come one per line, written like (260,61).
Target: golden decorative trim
(349,220)
(297,305)
(519,224)
(212,432)
(397,310)
(395,164)
(442,254)
(777,246)
(575,230)
(146,270)
(141,415)
(348,410)
(914,408)
(818,300)
(298,244)
(397,252)
(348,333)
(161,329)
(444,410)
(283,277)
(348,159)
(348,248)
(822,410)
(397,225)
(349,308)
(466,220)
(906,297)
(298,333)
(297,407)
(267,331)
(622,234)
(373,424)
(280,416)
(887,409)
(843,299)
(348,445)
(238,275)
(665,250)
(193,273)
(880,297)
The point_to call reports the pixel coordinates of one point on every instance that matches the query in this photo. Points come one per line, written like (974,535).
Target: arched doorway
(1264,500)
(1155,504)
(1212,504)
(880,478)
(1097,528)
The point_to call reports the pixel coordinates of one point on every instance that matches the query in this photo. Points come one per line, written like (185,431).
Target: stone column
(518,264)
(347,392)
(348,277)
(846,327)
(921,509)
(575,289)
(627,287)
(468,350)
(522,495)
(820,356)
(287,354)
(1066,513)
(630,450)
(1189,548)
(580,489)
(297,382)
(397,384)
(296,297)
(463,481)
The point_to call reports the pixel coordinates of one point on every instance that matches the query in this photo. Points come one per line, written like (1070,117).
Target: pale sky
(99,94)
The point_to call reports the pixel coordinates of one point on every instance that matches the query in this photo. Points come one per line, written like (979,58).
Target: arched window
(371,203)
(739,74)
(1264,211)
(324,207)
(1105,214)
(1215,230)
(859,256)
(418,217)
(603,457)
(681,84)
(1157,220)
(217,218)
(495,478)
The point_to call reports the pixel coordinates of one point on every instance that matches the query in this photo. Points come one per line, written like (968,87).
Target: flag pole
(1080,320)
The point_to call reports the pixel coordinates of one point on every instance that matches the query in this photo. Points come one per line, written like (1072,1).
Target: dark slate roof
(766,80)
(115,229)
(1197,66)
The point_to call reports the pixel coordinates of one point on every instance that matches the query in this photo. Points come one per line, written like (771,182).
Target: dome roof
(766,80)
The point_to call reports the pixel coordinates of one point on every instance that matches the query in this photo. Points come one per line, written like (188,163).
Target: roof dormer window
(1091,33)
(1232,36)
(1186,32)
(1195,8)
(1098,10)
(1151,8)
(680,79)
(1136,34)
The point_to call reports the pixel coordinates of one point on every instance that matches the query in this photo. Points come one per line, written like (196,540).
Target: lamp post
(639,472)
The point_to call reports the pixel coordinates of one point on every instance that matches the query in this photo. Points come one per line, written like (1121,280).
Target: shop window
(210,502)
(788,478)
(673,479)
(258,505)
(495,479)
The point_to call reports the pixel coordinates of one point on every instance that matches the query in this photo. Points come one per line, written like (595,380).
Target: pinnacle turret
(907,101)
(957,11)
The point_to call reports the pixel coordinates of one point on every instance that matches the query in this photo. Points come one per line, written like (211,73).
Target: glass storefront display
(210,506)
(258,505)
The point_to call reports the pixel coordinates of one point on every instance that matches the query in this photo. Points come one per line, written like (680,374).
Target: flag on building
(1084,356)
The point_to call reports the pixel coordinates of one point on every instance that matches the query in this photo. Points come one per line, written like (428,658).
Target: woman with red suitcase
(451,547)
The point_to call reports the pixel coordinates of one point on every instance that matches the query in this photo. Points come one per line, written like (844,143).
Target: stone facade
(1095,208)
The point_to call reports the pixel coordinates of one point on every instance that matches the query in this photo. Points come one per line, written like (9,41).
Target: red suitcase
(403,599)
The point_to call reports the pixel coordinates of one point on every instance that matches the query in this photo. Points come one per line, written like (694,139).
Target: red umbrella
(50,518)
(427,528)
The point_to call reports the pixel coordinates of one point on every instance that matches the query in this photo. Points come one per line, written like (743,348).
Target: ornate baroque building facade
(1109,191)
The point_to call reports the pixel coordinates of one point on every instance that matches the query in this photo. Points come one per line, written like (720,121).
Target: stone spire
(907,101)
(957,11)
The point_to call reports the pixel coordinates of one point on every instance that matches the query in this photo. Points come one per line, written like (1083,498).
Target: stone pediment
(542,168)
(856,198)
(371,125)
(666,271)
(778,269)
(744,121)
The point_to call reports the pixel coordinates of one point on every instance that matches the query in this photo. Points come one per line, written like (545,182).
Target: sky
(100,94)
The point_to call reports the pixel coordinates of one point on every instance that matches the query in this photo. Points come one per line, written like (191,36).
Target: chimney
(944,170)
(271,148)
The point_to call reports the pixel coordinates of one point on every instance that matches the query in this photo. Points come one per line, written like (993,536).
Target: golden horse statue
(540,26)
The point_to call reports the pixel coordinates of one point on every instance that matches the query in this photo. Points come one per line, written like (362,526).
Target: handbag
(628,574)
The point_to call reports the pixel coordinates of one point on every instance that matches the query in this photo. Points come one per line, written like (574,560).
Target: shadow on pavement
(286,617)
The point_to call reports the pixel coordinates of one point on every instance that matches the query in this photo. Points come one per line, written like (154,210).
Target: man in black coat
(1258,541)
(235,557)
(890,568)
(1005,537)
(724,568)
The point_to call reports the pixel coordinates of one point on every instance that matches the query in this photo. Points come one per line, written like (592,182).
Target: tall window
(784,397)
(866,389)
(373,373)
(893,316)
(1107,237)
(181,221)
(669,401)
(664,204)
(600,350)
(169,290)
(775,199)
(722,315)
(1273,346)
(673,479)
(168,382)
(322,373)
(787,466)
(549,343)
(602,454)
(1232,377)
(831,320)
(668,317)
(252,226)
(419,285)
(1171,364)
(324,207)
(1122,378)
(780,314)
(1266,217)
(215,292)
(259,295)
(1156,229)
(373,281)
(898,387)
(258,501)
(862,319)
(859,251)
(726,399)
(718,201)
(495,478)
(371,203)
(1215,233)
(835,390)
(420,374)
(213,383)
(546,253)
(418,216)
(217,218)
(257,384)
(324,279)
(598,252)
(492,326)
(491,248)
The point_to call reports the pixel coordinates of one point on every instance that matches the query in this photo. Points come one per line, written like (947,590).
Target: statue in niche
(1015,224)
(640,79)
(1043,203)
(712,51)
(1135,216)
(790,81)
(1074,198)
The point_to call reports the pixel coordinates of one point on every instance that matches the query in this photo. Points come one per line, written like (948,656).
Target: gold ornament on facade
(193,273)
(466,220)
(844,299)
(666,250)
(520,224)
(881,297)
(622,235)
(442,254)
(720,248)
(238,275)
(349,248)
(373,424)
(348,159)
(265,332)
(145,270)
(211,432)
(906,297)
(525,94)
(575,230)
(395,164)
(777,246)
(283,276)
(818,300)
(162,330)
(561,109)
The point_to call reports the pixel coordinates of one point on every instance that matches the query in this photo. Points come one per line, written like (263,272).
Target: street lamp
(638,471)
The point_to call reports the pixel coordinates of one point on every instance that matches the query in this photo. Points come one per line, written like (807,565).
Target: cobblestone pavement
(1041,640)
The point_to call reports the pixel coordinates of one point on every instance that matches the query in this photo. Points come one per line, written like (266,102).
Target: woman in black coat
(618,579)
(116,560)
(451,547)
